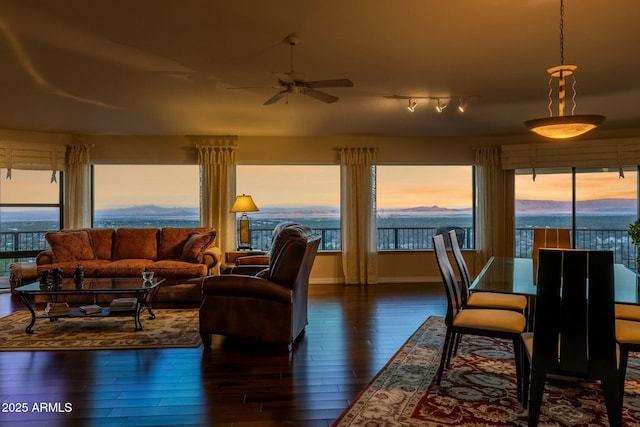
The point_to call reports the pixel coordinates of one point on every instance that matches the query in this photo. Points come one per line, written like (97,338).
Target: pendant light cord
(561,32)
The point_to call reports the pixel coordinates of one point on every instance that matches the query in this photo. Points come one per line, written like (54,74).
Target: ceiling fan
(295,82)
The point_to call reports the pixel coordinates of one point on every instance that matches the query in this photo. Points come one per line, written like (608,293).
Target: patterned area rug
(170,328)
(479,390)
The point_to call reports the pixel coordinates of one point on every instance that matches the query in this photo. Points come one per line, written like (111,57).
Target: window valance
(32,155)
(580,154)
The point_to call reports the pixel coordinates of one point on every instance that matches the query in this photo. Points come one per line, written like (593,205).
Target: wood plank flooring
(352,333)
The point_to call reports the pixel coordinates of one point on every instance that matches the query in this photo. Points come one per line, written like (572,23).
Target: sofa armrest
(211,257)
(22,272)
(44,257)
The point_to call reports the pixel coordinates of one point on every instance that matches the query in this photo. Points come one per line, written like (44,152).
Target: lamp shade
(244,203)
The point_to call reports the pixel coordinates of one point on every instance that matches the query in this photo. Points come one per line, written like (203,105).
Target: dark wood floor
(352,333)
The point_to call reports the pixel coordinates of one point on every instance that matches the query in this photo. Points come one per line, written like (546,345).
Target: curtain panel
(358,215)
(496,206)
(77,187)
(217,187)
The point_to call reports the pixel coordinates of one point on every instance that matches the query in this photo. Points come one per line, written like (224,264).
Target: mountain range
(523,207)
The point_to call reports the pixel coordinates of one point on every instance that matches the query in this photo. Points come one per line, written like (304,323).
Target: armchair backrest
(292,255)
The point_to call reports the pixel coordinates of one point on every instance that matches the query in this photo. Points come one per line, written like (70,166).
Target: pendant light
(561,126)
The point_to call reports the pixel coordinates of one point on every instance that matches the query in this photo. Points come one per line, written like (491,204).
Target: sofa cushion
(168,268)
(124,268)
(102,241)
(136,243)
(173,239)
(70,245)
(196,244)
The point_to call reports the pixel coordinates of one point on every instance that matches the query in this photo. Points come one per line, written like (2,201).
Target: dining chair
(550,238)
(628,312)
(574,327)
(482,299)
(628,339)
(505,324)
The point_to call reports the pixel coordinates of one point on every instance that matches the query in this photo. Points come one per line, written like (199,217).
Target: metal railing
(24,245)
(389,238)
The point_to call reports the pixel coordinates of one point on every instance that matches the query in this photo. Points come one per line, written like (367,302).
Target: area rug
(170,329)
(479,390)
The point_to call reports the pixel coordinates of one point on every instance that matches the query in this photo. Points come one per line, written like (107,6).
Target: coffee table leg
(25,301)
(148,298)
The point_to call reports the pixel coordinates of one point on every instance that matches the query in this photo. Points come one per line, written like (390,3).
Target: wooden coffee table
(143,291)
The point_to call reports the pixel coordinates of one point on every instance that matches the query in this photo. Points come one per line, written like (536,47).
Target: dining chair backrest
(454,302)
(465,277)
(574,326)
(550,238)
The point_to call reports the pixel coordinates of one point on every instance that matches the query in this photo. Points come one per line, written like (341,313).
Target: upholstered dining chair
(482,299)
(550,238)
(505,324)
(574,329)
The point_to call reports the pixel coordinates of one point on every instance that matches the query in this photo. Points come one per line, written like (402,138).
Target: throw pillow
(70,245)
(196,245)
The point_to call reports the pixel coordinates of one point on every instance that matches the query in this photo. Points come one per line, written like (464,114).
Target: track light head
(462,105)
(441,105)
(412,105)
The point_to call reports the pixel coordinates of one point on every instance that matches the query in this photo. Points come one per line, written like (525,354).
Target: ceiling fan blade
(321,96)
(275,98)
(286,78)
(330,83)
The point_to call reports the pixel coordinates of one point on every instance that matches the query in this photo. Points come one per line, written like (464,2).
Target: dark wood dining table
(516,276)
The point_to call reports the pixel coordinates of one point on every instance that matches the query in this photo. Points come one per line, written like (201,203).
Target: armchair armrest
(232,256)
(232,285)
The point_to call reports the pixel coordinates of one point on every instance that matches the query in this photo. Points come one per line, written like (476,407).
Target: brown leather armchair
(269,307)
(251,262)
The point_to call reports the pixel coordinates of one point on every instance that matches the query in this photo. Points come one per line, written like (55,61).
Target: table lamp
(244,204)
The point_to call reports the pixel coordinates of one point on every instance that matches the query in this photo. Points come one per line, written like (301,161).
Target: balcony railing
(24,245)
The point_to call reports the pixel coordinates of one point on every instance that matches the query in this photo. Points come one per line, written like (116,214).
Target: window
(308,194)
(597,204)
(605,206)
(545,202)
(146,196)
(30,205)
(416,202)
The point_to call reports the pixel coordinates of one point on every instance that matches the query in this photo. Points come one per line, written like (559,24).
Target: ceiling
(174,67)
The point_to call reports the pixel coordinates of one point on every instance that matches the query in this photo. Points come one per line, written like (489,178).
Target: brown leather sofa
(269,307)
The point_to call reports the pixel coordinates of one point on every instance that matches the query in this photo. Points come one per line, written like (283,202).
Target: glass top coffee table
(141,294)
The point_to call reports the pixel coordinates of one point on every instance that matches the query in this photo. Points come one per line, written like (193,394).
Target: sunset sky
(398,186)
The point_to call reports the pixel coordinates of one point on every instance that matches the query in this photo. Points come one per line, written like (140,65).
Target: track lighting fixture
(441,101)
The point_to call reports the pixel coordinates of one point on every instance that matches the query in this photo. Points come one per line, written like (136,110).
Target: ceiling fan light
(564,127)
